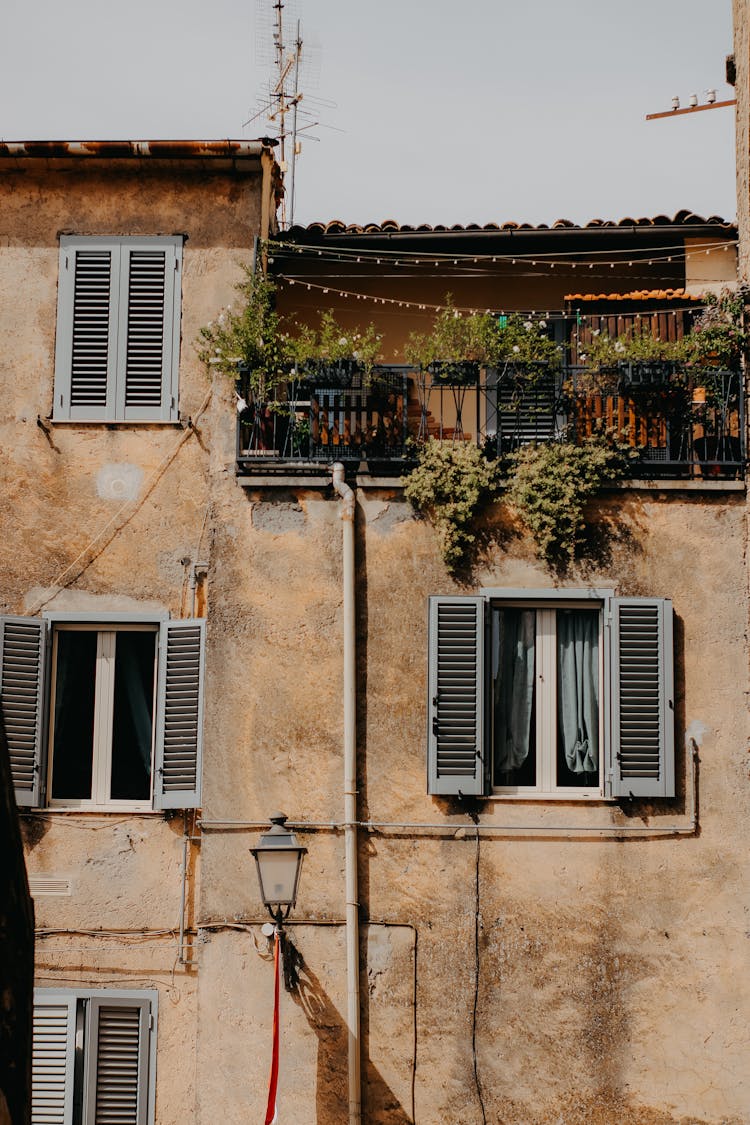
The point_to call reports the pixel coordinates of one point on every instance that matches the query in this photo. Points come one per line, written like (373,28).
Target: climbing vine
(450,484)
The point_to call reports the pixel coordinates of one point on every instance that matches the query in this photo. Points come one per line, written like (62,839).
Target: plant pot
(449,373)
(335,374)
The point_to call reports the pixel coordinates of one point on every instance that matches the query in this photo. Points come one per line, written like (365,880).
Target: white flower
(596,332)
(528,325)
(619,346)
(343,342)
(516,348)
(542,323)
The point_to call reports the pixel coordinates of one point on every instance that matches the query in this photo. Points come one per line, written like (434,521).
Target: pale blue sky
(478,111)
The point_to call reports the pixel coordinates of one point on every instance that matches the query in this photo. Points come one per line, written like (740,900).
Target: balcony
(683,423)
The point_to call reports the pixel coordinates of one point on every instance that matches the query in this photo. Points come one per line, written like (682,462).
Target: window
(118,329)
(93,1056)
(551,694)
(103,712)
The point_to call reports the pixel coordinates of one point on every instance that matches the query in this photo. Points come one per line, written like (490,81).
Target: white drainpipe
(350,794)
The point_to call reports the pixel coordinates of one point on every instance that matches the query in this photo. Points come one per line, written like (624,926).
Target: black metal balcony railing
(681,423)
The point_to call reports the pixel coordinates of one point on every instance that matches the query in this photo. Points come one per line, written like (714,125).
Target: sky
(431,112)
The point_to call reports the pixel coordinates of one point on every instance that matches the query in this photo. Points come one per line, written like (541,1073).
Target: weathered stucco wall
(611,983)
(64,487)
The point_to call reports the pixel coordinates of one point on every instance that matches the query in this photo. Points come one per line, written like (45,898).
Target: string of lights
(424,306)
(627,256)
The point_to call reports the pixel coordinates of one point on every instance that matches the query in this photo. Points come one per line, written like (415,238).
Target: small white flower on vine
(542,323)
(619,346)
(596,332)
(528,325)
(516,348)
(343,342)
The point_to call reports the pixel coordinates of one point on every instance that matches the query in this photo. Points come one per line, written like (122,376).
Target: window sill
(572,798)
(100,810)
(114,422)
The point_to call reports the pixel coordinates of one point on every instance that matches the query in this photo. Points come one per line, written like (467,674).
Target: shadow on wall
(331,1086)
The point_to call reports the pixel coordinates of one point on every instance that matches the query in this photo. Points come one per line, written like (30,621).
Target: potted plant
(453,352)
(331,356)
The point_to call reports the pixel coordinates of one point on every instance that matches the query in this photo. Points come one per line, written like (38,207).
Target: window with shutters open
(118,329)
(103,713)
(93,1057)
(551,695)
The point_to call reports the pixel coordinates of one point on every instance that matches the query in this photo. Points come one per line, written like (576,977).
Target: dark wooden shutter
(22,699)
(455,705)
(641,744)
(52,1060)
(117,1071)
(180,714)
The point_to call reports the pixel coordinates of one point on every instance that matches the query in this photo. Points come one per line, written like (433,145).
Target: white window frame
(79,1005)
(106,633)
(115,409)
(547,602)
(545,675)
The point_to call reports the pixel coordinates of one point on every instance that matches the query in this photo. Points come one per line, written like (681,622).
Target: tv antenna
(280,104)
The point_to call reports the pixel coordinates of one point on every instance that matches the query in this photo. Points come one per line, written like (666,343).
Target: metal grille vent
(181,709)
(91,305)
(49,1061)
(49,885)
(640,696)
(117,1059)
(20,696)
(457,684)
(145,343)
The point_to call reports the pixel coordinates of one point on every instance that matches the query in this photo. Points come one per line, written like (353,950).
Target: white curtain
(578,688)
(513,674)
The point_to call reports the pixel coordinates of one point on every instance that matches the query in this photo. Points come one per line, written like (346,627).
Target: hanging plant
(450,484)
(549,486)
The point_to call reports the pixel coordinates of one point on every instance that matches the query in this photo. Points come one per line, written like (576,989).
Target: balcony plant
(718,337)
(330,356)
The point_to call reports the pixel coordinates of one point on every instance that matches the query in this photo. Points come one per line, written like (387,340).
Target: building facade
(187,614)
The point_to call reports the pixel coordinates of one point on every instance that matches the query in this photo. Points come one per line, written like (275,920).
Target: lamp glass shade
(278,858)
(278,872)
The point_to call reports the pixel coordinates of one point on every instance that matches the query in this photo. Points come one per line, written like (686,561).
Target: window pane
(513,689)
(578,697)
(75,684)
(132,722)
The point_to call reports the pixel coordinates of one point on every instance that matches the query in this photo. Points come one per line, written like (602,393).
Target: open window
(550,695)
(103,713)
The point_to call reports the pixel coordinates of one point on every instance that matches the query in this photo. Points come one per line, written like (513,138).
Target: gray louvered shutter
(117,1062)
(86,347)
(640,759)
(52,1059)
(148,350)
(22,699)
(455,705)
(179,732)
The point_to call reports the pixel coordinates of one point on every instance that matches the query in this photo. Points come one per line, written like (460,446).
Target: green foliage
(331,343)
(253,337)
(481,338)
(250,336)
(607,351)
(550,484)
(450,484)
(718,336)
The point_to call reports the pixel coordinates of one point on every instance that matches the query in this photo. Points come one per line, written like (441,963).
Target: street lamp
(278,858)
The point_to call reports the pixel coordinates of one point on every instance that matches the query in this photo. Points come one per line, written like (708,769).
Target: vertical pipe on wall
(350,793)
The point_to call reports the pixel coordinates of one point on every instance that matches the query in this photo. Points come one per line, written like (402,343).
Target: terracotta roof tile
(637,295)
(683,218)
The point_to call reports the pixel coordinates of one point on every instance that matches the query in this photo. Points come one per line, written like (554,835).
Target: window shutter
(86,350)
(455,706)
(52,1058)
(22,699)
(147,351)
(641,744)
(179,736)
(117,1062)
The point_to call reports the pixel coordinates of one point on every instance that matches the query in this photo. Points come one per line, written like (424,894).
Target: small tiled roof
(637,295)
(171,150)
(389,226)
